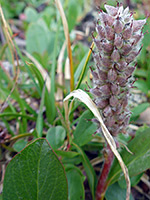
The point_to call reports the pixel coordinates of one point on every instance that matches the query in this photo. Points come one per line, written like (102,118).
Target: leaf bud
(118,109)
(101,31)
(126,120)
(121,65)
(137,38)
(115,129)
(113,101)
(109,33)
(122,81)
(95,75)
(138,24)
(105,90)
(95,91)
(128,32)
(101,103)
(115,89)
(106,61)
(126,49)
(108,47)
(118,26)
(110,121)
(131,57)
(124,101)
(102,74)
(129,71)
(112,75)
(98,44)
(107,111)
(106,19)
(115,56)
(97,57)
(118,42)
(111,10)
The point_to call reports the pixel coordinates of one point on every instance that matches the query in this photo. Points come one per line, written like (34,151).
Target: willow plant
(118,43)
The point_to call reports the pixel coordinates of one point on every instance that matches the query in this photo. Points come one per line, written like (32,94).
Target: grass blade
(39,122)
(84,67)
(66,31)
(41,69)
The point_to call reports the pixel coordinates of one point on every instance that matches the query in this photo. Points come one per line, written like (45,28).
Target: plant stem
(102,182)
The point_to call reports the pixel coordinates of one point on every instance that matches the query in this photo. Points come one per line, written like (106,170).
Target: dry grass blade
(59,94)
(66,31)
(67,69)
(82,96)
(126,148)
(41,69)
(10,42)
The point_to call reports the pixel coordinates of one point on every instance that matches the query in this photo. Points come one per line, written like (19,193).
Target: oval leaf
(139,146)
(35,173)
(85,129)
(19,145)
(114,192)
(75,184)
(37,38)
(139,109)
(56,136)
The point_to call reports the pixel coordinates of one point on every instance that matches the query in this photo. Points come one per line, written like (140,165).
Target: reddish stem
(102,182)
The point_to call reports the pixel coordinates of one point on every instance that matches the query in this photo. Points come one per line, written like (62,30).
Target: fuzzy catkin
(118,43)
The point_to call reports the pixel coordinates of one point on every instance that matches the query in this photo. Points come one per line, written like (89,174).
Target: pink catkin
(118,44)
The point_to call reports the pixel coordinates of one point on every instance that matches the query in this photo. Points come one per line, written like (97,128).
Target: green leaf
(56,136)
(75,184)
(31,14)
(67,154)
(72,14)
(76,160)
(53,71)
(114,192)
(37,37)
(27,68)
(141,129)
(19,145)
(136,163)
(145,41)
(88,169)
(85,129)
(139,109)
(48,103)
(35,173)
(142,85)
(134,181)
(141,73)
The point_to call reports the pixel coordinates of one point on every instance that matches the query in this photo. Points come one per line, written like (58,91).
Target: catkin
(118,43)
